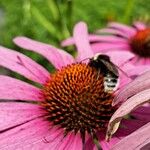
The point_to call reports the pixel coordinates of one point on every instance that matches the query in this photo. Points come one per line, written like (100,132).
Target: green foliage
(51,21)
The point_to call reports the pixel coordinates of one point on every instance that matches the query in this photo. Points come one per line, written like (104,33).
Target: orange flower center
(75,100)
(140,43)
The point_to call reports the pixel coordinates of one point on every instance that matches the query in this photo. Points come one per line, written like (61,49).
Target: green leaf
(44,21)
(52,4)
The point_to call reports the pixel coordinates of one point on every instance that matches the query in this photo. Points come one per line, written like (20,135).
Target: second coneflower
(120,37)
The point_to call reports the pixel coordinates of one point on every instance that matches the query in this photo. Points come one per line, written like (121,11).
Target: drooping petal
(140,83)
(112,31)
(139,25)
(142,113)
(57,57)
(80,35)
(104,47)
(128,106)
(104,144)
(13,89)
(130,31)
(139,139)
(14,113)
(127,127)
(23,65)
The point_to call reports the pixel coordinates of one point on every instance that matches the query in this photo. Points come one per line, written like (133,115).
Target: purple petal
(80,36)
(23,65)
(139,139)
(130,31)
(57,57)
(104,47)
(140,83)
(139,25)
(14,89)
(128,106)
(112,31)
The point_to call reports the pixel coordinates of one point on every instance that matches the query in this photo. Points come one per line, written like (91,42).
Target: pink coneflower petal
(140,61)
(112,31)
(95,38)
(106,145)
(128,106)
(56,56)
(80,36)
(119,58)
(103,47)
(139,25)
(13,89)
(139,139)
(137,70)
(130,31)
(127,127)
(71,142)
(68,42)
(110,38)
(140,83)
(142,113)
(14,113)
(23,65)
(38,133)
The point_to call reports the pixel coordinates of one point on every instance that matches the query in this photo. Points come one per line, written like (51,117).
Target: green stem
(52,4)
(128,10)
(44,22)
(64,29)
(69,13)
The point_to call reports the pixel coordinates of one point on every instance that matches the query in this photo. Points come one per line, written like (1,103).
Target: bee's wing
(111,67)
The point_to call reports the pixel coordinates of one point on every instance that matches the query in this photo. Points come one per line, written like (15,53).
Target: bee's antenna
(85,59)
